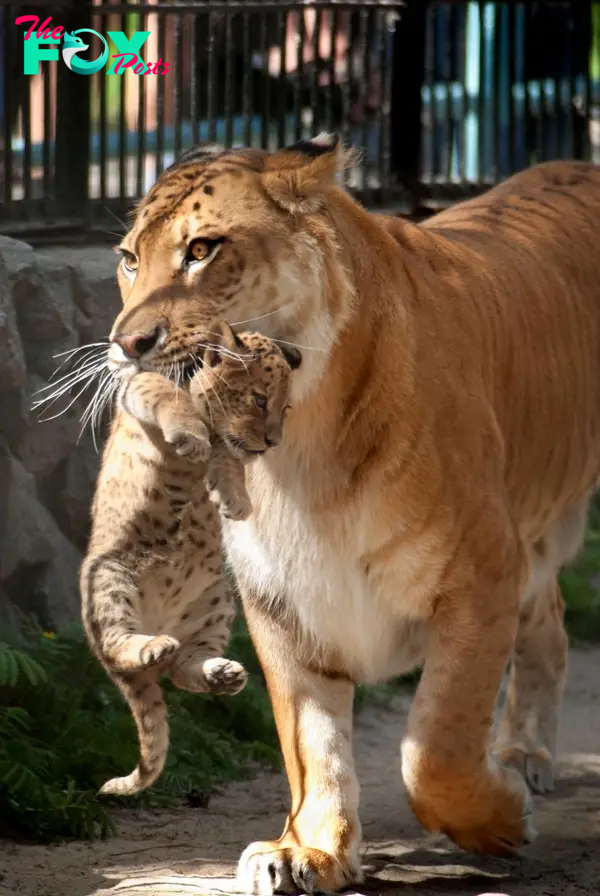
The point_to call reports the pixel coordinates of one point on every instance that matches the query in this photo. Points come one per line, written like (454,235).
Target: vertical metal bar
(194,113)
(160,93)
(379,55)
(103,118)
(406,100)
(246,85)
(568,100)
(583,147)
(46,149)
(266,104)
(26,120)
(554,101)
(122,127)
(385,106)
(228,104)
(282,22)
(444,33)
(527,97)
(428,160)
(511,24)
(314,81)
(73,143)
(299,77)
(481,111)
(460,111)
(141,123)
(497,72)
(7,158)
(330,76)
(211,108)
(177,83)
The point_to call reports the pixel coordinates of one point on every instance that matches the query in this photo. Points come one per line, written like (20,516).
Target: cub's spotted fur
(154,597)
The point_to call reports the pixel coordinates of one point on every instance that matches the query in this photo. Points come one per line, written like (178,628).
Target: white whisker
(73,351)
(225,352)
(85,364)
(309,348)
(60,389)
(251,320)
(86,385)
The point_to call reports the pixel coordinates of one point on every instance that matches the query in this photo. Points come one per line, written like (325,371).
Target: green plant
(580,585)
(64,729)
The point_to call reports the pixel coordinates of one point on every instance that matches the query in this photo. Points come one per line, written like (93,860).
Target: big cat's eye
(130,262)
(260,400)
(202,249)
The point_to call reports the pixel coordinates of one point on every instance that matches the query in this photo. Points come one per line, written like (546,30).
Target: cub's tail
(144,695)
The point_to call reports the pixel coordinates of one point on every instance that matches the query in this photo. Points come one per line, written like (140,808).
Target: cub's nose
(136,344)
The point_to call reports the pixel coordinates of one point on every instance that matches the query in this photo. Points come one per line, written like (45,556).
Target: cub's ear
(297,177)
(222,337)
(291,355)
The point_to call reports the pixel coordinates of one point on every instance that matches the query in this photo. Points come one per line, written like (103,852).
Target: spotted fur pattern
(154,596)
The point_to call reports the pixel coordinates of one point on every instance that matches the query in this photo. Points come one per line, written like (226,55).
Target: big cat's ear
(297,177)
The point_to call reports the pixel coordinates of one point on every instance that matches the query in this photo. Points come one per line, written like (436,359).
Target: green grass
(64,730)
(580,585)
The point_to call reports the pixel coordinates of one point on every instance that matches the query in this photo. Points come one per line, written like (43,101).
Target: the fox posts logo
(37,47)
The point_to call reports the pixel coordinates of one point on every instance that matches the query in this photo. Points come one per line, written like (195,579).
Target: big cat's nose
(136,344)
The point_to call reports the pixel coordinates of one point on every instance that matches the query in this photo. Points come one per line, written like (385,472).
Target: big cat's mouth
(184,373)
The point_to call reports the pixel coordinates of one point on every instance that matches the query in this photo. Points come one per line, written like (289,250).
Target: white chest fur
(313,565)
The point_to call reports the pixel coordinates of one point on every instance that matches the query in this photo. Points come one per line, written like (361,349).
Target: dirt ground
(170,852)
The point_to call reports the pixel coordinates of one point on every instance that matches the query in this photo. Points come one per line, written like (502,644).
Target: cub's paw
(224,676)
(160,651)
(270,867)
(233,505)
(490,815)
(534,764)
(191,441)
(232,508)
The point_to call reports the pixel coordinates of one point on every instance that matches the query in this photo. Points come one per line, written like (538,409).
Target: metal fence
(445,98)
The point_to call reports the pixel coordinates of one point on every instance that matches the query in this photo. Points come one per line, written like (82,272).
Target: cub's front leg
(226,483)
(318,850)
(158,403)
(454,783)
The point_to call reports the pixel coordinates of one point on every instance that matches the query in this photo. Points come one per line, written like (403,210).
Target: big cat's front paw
(266,868)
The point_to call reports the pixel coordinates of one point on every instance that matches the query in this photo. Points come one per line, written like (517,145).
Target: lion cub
(154,595)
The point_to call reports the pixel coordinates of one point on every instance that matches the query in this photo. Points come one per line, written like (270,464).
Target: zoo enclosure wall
(444,98)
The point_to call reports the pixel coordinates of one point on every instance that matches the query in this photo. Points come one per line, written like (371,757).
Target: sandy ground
(193,843)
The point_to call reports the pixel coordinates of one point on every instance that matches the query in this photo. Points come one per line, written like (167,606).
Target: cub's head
(239,235)
(244,387)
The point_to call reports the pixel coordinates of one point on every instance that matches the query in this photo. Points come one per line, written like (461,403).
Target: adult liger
(438,458)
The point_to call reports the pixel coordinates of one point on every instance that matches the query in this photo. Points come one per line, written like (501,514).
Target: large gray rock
(51,301)
(96,294)
(42,292)
(25,525)
(50,437)
(39,567)
(12,358)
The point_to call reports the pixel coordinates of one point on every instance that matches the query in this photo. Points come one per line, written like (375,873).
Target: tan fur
(154,596)
(433,477)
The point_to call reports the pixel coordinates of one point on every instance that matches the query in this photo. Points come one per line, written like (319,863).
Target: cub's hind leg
(111,614)
(529,722)
(204,633)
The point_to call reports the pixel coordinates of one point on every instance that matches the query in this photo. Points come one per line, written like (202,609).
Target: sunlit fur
(434,474)
(153,591)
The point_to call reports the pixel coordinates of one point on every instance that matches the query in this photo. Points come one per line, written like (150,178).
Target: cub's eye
(202,249)
(260,400)
(130,262)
